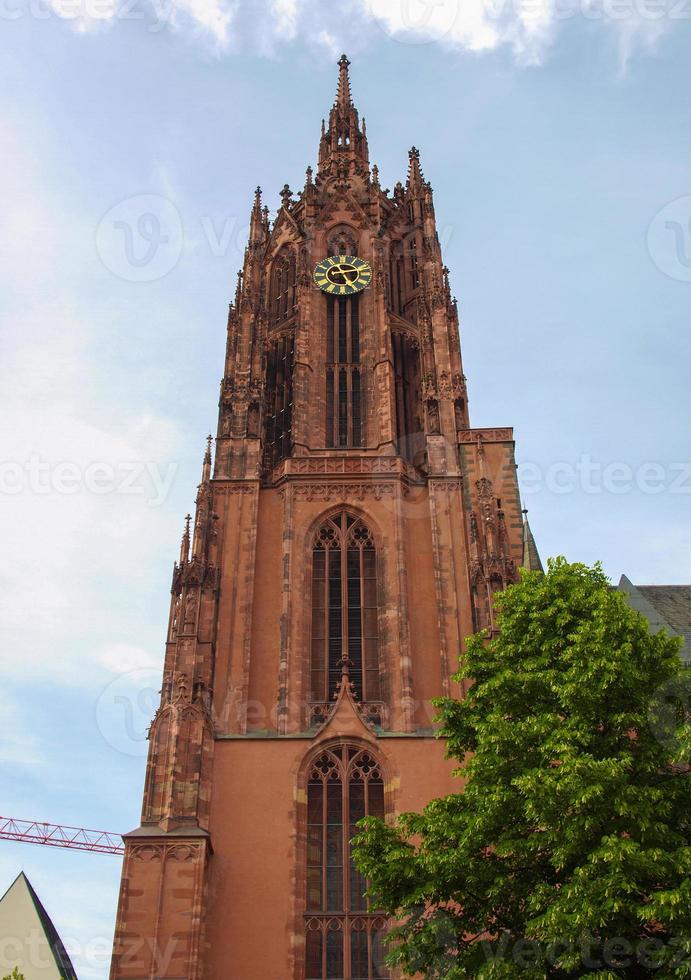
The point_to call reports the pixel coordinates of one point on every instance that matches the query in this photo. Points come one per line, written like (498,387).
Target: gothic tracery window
(343,377)
(396,283)
(283,295)
(414,268)
(343,934)
(345,610)
(279,400)
(406,365)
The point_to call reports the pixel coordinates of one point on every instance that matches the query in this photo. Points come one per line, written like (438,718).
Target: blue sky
(557,136)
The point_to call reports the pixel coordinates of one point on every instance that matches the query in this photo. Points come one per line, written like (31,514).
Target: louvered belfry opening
(343,934)
(343,378)
(278,441)
(344,609)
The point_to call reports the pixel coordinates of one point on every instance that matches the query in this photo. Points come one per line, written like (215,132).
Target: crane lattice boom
(78,838)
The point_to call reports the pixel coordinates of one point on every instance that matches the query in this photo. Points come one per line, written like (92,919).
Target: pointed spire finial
(185,543)
(257,206)
(414,170)
(343,97)
(286,195)
(206,468)
(256,221)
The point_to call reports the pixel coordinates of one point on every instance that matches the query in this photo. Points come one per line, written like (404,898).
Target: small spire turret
(415,179)
(206,467)
(185,543)
(286,196)
(257,226)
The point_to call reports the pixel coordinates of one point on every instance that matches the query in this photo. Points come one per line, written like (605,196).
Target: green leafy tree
(14,975)
(567,853)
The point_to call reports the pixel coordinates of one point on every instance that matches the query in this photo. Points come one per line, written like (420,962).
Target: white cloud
(528,28)
(286,13)
(327,40)
(81,480)
(120,658)
(212,18)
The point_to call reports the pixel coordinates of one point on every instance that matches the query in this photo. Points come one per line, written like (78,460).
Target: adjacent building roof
(667,606)
(24,919)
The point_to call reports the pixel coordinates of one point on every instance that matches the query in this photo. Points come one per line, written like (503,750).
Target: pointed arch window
(396,280)
(406,365)
(343,379)
(278,427)
(343,934)
(283,296)
(345,609)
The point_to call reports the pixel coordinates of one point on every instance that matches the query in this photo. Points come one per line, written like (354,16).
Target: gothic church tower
(348,533)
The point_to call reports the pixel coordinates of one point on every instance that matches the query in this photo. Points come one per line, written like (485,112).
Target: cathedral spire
(343,149)
(343,97)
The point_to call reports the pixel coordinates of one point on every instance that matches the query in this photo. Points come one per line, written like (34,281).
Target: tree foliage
(567,853)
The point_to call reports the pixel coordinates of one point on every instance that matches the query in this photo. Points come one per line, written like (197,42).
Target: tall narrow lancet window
(406,364)
(414,266)
(396,283)
(345,609)
(279,400)
(343,935)
(343,378)
(283,296)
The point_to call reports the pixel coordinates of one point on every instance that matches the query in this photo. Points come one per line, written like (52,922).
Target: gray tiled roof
(663,605)
(673,602)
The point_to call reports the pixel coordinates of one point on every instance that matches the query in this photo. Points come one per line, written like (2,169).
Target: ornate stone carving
(342,491)
(485,435)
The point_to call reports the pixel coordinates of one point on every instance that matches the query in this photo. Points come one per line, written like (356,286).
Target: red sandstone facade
(349,534)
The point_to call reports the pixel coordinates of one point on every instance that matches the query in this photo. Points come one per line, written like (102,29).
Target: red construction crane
(79,839)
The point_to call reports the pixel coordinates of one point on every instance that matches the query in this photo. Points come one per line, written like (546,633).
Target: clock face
(342,275)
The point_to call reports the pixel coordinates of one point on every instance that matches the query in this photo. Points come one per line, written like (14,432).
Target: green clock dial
(342,275)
